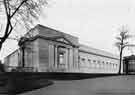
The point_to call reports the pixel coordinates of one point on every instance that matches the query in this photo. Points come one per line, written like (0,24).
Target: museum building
(49,50)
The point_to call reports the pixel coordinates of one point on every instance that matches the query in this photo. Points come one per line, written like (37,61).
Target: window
(116,65)
(89,60)
(83,59)
(61,58)
(113,65)
(94,61)
(107,65)
(99,65)
(61,55)
(103,65)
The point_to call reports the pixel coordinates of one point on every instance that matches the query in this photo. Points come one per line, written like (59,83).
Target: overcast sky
(95,22)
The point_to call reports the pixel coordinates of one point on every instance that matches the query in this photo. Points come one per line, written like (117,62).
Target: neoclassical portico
(61,55)
(57,51)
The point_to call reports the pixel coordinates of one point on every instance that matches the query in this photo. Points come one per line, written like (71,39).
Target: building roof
(132,57)
(12,53)
(49,32)
(96,51)
(43,31)
(52,33)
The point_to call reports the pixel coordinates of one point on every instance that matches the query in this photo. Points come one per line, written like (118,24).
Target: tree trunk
(0,46)
(120,62)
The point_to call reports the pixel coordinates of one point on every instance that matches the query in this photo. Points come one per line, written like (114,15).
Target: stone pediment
(53,34)
(63,40)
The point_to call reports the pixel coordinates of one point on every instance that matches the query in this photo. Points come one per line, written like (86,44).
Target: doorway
(62,58)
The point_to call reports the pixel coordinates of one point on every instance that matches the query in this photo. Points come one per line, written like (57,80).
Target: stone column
(55,57)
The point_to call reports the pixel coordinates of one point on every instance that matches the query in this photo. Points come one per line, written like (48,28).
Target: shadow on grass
(16,85)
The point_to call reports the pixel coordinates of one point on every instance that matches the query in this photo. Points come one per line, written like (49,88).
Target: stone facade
(49,50)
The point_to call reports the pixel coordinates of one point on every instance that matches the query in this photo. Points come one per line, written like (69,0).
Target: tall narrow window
(61,58)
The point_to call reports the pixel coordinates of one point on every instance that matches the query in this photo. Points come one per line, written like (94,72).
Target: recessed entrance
(62,58)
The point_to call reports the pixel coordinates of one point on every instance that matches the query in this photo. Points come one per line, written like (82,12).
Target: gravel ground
(117,85)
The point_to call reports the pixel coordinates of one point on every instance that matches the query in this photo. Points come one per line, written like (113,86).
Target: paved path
(118,85)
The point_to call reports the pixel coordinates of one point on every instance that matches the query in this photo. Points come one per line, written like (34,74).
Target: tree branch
(9,32)
(11,28)
(6,35)
(5,6)
(18,8)
(9,10)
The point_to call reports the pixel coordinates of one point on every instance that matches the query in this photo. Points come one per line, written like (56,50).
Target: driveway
(115,85)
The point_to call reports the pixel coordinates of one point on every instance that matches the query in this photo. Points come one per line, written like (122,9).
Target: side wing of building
(12,60)
(97,61)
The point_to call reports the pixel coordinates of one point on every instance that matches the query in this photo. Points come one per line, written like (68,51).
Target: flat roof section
(96,51)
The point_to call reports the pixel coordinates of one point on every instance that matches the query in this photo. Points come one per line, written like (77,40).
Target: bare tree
(19,12)
(122,43)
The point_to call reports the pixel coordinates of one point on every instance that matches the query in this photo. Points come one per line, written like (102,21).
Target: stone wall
(90,63)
